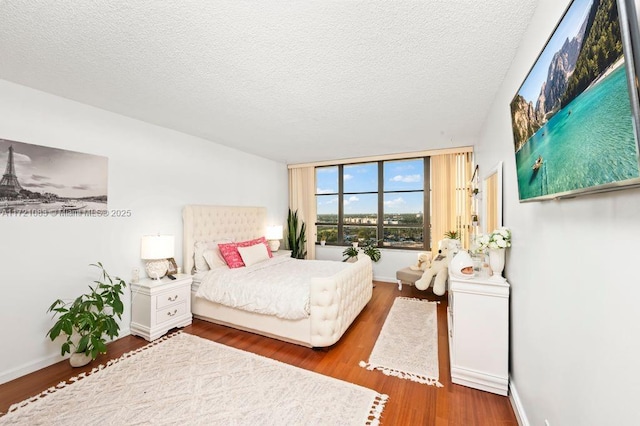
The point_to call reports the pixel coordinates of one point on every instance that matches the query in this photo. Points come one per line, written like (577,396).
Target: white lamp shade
(157,247)
(274,232)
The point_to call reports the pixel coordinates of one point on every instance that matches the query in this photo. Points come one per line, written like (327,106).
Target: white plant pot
(79,359)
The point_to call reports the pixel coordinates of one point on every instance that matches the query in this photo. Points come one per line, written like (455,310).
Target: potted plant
(350,253)
(89,319)
(323,238)
(452,235)
(370,249)
(296,237)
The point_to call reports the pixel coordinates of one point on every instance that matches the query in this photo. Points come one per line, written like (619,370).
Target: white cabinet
(157,306)
(478,320)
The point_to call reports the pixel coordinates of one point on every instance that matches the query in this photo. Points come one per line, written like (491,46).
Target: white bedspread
(278,286)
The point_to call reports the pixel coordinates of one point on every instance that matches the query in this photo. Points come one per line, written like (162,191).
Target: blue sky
(398,176)
(568,28)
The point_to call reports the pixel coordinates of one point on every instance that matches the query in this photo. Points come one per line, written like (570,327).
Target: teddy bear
(424,262)
(439,268)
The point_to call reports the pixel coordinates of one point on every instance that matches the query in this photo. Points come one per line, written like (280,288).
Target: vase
(496,261)
(79,359)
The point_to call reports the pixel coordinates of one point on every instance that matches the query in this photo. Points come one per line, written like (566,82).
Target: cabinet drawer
(171,312)
(174,296)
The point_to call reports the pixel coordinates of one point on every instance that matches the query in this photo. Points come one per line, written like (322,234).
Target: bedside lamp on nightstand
(273,236)
(156,249)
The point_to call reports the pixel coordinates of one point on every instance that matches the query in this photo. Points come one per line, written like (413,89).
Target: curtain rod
(404,155)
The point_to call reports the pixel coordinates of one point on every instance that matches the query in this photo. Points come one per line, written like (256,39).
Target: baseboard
(30,367)
(516,404)
(385,279)
(25,369)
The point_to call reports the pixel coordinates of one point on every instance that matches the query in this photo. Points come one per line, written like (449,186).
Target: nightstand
(282,253)
(157,306)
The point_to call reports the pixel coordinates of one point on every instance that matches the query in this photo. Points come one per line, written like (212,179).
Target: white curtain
(302,190)
(451,200)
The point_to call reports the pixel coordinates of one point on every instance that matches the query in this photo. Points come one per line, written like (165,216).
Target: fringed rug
(407,346)
(184,379)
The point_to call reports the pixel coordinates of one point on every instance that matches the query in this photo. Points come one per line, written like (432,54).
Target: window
(381,201)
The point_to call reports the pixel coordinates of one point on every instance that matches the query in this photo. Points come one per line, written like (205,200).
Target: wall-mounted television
(575,119)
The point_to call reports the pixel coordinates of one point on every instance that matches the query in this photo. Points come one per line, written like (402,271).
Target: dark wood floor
(409,403)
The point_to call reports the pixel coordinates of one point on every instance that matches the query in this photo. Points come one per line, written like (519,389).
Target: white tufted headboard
(212,223)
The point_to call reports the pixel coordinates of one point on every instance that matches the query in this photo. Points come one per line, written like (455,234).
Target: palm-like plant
(296,238)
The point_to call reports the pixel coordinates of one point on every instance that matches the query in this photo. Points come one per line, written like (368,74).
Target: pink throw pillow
(231,255)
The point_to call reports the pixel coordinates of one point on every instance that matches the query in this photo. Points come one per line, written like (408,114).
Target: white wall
(153,172)
(575,334)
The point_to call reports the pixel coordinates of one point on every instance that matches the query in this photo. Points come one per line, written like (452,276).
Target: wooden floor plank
(409,403)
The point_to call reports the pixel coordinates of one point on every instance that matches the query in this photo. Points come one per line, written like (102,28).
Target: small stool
(407,276)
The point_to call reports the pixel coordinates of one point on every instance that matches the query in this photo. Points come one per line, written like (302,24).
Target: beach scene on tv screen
(572,119)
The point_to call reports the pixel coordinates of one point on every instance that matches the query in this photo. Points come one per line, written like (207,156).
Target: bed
(334,301)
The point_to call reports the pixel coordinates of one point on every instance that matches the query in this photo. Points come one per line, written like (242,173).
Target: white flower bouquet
(498,239)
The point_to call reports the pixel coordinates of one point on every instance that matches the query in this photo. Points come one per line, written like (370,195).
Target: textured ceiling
(293,81)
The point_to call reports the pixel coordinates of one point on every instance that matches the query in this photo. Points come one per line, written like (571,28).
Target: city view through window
(381,202)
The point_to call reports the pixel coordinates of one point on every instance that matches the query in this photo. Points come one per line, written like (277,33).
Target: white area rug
(184,379)
(407,346)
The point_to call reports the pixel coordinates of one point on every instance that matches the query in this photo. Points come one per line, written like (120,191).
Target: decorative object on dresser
(177,379)
(157,306)
(87,319)
(407,346)
(156,249)
(496,243)
(306,302)
(461,265)
(478,320)
(273,236)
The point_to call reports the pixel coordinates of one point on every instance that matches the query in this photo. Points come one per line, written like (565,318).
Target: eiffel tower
(9,185)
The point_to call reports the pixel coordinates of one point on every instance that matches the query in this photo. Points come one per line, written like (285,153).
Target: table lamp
(156,249)
(273,236)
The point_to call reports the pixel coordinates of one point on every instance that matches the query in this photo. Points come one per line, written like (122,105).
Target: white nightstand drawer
(157,306)
(173,311)
(174,296)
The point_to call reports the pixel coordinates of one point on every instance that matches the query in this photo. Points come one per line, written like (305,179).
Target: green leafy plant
(370,248)
(453,235)
(349,253)
(296,237)
(90,317)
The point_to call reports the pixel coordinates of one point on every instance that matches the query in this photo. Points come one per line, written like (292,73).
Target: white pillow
(200,247)
(214,258)
(253,254)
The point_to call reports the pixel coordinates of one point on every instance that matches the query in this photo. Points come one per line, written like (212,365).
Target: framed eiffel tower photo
(44,181)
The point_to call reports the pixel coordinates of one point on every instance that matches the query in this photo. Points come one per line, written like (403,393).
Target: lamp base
(156,269)
(274,245)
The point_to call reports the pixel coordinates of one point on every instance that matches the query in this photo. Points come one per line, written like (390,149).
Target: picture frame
(172,267)
(575,118)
